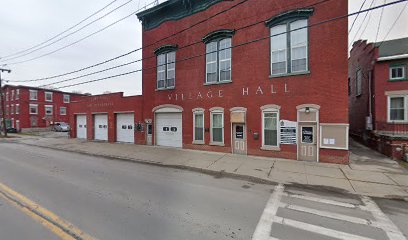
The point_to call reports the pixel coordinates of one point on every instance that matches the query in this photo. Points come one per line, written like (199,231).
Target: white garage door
(125,128)
(169,129)
(101,127)
(81,126)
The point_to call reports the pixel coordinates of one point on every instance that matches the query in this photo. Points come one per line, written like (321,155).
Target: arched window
(166,66)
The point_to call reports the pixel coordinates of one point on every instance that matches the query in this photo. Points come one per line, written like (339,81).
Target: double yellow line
(48,219)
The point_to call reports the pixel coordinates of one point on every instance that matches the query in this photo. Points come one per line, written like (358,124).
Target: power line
(242,44)
(379,23)
(80,40)
(67,35)
(172,35)
(362,23)
(355,19)
(179,48)
(365,28)
(77,24)
(393,24)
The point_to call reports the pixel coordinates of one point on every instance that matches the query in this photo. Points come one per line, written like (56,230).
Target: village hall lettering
(246,91)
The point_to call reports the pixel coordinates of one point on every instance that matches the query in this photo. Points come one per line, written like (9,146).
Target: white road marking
(327,214)
(264,227)
(318,229)
(321,200)
(383,220)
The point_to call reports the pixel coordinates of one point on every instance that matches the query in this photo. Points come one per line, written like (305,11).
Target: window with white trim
(17,94)
(397,72)
(218,61)
(67,98)
(217,127)
(270,127)
(397,108)
(166,70)
(289,49)
(17,108)
(33,108)
(63,111)
(48,110)
(48,96)
(12,109)
(33,95)
(12,95)
(359,79)
(198,126)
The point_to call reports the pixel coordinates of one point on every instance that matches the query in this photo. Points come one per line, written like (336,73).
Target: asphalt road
(111,199)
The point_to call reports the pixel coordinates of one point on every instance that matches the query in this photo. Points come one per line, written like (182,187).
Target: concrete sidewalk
(365,176)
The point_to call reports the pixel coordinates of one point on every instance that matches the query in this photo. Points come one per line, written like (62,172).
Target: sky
(27,23)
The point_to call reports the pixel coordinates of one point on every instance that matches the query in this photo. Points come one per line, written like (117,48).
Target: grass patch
(404,164)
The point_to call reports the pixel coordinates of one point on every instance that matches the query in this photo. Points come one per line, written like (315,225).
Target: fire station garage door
(81,126)
(124,127)
(169,129)
(101,127)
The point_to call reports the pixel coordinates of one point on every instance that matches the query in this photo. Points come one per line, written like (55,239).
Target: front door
(239,139)
(307,142)
(149,133)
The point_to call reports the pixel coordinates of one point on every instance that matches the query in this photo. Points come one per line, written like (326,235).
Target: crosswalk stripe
(318,229)
(327,214)
(383,220)
(263,229)
(321,200)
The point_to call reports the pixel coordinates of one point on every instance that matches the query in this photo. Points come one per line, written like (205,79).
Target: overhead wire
(362,23)
(355,19)
(239,45)
(394,23)
(379,23)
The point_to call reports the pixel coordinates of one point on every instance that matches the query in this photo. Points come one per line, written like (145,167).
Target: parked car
(12,130)
(61,127)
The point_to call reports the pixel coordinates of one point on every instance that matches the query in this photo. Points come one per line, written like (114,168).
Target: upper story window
(33,109)
(48,96)
(289,42)
(12,95)
(359,79)
(33,95)
(218,56)
(17,94)
(397,72)
(7,96)
(166,66)
(48,110)
(63,111)
(67,98)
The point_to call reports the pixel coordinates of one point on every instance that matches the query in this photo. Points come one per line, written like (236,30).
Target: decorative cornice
(198,110)
(176,107)
(289,15)
(172,10)
(270,106)
(238,109)
(166,48)
(222,33)
(315,106)
(217,109)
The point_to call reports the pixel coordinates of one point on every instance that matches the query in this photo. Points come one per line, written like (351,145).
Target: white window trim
(198,112)
(17,94)
(12,109)
(218,61)
(269,147)
(217,111)
(65,111)
(389,109)
(45,96)
(36,95)
(166,70)
(17,108)
(403,72)
(69,98)
(45,110)
(36,107)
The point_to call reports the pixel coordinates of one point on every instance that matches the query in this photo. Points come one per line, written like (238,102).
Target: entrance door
(149,132)
(307,142)
(239,138)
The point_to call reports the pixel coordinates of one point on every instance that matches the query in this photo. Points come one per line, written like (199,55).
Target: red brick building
(277,97)
(30,107)
(378,96)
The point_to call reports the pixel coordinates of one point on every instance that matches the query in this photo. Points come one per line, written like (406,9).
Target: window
(63,111)
(12,95)
(217,127)
(166,70)
(359,77)
(67,98)
(397,109)
(7,96)
(7,109)
(48,110)
(17,108)
(218,61)
(12,109)
(198,127)
(48,96)
(17,94)
(33,109)
(33,95)
(270,119)
(397,72)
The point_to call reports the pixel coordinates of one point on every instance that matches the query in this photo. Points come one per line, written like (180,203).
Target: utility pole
(2,101)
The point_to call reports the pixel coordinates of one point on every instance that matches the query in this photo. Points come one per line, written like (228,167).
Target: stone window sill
(164,89)
(289,74)
(198,142)
(270,148)
(397,79)
(217,83)
(217,144)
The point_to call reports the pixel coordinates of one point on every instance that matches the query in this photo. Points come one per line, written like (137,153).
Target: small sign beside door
(288,132)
